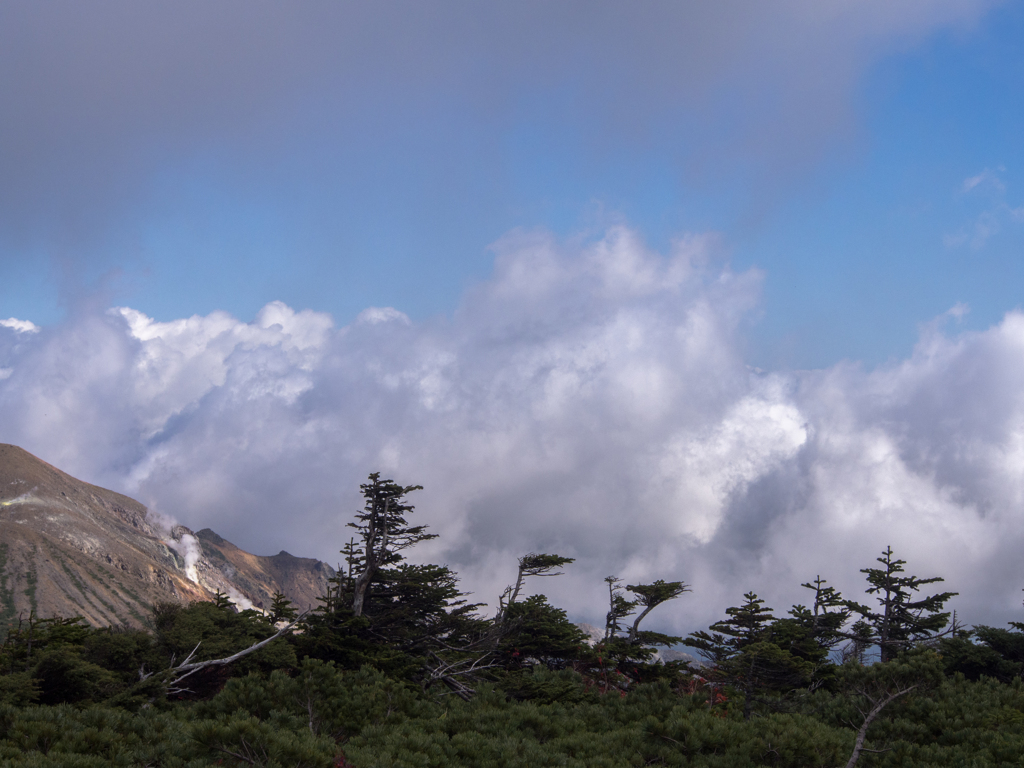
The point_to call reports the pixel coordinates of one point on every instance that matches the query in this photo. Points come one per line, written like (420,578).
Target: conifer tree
(411,621)
(998,653)
(900,621)
(985,651)
(650,596)
(282,609)
(812,633)
(532,630)
(747,624)
(633,644)
(827,615)
(618,607)
(530,565)
(744,651)
(538,631)
(384,532)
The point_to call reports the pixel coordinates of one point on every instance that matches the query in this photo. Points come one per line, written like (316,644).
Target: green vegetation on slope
(395,668)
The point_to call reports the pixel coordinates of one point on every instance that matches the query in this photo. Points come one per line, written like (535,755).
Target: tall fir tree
(901,621)
(753,652)
(384,533)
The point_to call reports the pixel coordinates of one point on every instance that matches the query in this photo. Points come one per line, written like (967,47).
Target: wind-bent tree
(384,533)
(650,596)
(618,608)
(901,621)
(633,644)
(529,565)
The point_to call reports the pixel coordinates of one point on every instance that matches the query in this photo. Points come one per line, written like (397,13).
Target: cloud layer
(590,398)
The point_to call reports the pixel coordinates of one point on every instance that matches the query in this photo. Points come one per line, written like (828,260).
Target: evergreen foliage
(530,565)
(901,621)
(755,653)
(416,613)
(618,607)
(384,533)
(213,631)
(998,653)
(650,596)
(282,609)
(826,617)
(630,649)
(418,678)
(538,632)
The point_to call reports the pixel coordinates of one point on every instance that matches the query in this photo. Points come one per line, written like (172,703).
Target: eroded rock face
(68,548)
(302,579)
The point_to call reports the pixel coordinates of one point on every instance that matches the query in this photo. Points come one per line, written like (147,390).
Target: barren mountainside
(69,548)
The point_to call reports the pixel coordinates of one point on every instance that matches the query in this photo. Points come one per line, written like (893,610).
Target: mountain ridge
(69,548)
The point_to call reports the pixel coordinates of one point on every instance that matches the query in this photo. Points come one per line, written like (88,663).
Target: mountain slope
(257,577)
(70,548)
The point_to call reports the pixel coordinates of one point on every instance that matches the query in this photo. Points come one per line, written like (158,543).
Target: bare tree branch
(448,673)
(879,703)
(189,667)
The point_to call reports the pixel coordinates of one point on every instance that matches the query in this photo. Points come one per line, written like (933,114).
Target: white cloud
(22,326)
(760,433)
(589,399)
(988,222)
(375,315)
(987,178)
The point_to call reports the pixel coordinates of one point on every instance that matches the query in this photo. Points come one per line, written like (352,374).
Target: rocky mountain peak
(70,548)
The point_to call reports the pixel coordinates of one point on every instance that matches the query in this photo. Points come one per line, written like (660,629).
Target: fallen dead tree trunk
(175,674)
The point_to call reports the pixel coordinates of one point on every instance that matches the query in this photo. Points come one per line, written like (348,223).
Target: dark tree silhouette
(529,565)
(901,621)
(384,532)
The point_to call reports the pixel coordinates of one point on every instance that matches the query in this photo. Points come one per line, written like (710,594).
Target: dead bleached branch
(175,674)
(878,702)
(449,672)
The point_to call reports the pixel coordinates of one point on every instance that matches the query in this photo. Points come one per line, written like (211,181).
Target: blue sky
(340,191)
(871,247)
(728,292)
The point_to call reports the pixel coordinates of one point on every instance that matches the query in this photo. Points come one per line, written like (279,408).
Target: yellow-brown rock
(68,548)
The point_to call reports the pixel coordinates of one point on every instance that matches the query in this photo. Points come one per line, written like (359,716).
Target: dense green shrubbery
(650,726)
(319,715)
(74,698)
(396,669)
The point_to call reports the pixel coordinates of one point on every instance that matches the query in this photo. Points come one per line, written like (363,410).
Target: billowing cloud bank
(589,399)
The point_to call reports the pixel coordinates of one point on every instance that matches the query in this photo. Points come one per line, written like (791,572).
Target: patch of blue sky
(27,285)
(921,214)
